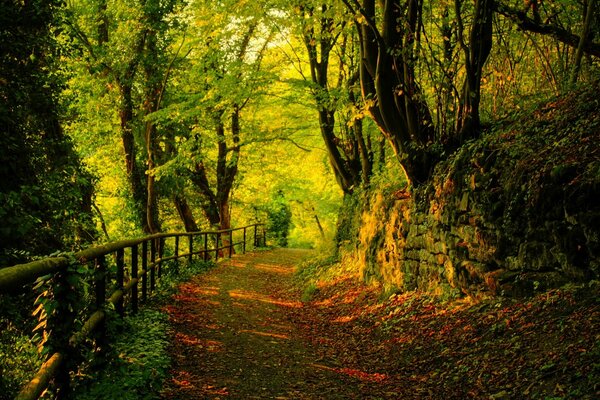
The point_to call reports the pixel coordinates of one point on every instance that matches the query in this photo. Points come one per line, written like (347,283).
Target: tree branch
(562,35)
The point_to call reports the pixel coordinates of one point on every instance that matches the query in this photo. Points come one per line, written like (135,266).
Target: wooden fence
(138,264)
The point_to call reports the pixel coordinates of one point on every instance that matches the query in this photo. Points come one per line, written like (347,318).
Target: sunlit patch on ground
(277,269)
(267,334)
(214,346)
(355,373)
(255,296)
(344,319)
(207,291)
(237,263)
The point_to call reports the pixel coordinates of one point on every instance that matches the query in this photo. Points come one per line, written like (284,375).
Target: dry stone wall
(514,212)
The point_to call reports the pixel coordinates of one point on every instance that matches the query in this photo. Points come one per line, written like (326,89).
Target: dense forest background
(123,119)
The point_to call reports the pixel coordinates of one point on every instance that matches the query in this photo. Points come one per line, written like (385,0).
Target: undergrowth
(137,361)
(19,357)
(136,364)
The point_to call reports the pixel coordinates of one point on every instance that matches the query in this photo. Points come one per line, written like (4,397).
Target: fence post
(119,279)
(177,253)
(145,269)
(191,245)
(230,243)
(152,266)
(244,242)
(59,327)
(161,246)
(264,231)
(100,294)
(134,275)
(217,236)
(205,247)
(255,236)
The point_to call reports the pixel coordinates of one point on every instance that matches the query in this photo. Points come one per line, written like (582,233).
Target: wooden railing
(138,264)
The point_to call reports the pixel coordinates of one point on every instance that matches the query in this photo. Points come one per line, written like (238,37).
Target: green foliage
(279,217)
(349,220)
(174,274)
(20,359)
(62,305)
(43,186)
(136,364)
(309,292)
(311,270)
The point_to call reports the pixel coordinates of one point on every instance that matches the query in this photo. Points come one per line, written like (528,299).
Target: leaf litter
(346,343)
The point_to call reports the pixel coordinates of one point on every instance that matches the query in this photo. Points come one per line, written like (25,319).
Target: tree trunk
(476,54)
(583,39)
(135,175)
(347,165)
(153,88)
(321,230)
(209,203)
(185,213)
(388,55)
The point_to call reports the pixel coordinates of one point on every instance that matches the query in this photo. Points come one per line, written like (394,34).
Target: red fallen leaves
(547,346)
(374,377)
(407,346)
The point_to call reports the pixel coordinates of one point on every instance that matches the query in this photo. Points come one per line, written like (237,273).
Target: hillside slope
(514,211)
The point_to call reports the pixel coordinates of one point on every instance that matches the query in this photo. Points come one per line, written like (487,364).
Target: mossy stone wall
(511,213)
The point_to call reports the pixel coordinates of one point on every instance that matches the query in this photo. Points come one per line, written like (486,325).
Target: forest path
(233,336)
(240,331)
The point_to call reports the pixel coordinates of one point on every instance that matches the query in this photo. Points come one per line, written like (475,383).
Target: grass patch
(309,292)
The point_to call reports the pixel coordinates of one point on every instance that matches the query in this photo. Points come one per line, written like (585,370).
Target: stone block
(536,256)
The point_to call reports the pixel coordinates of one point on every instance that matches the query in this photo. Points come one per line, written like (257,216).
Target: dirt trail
(241,332)
(233,337)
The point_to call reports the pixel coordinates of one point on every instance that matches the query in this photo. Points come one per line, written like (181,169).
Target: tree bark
(583,39)
(319,40)
(476,54)
(185,213)
(209,203)
(389,86)
(135,174)
(153,89)
(559,33)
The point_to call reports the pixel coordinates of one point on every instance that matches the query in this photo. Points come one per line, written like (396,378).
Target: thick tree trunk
(225,215)
(185,213)
(388,56)
(153,88)
(347,165)
(135,175)
(209,200)
(476,54)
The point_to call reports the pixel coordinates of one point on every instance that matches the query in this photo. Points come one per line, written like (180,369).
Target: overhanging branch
(526,23)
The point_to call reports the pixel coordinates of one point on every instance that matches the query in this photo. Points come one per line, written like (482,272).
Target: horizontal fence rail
(123,274)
